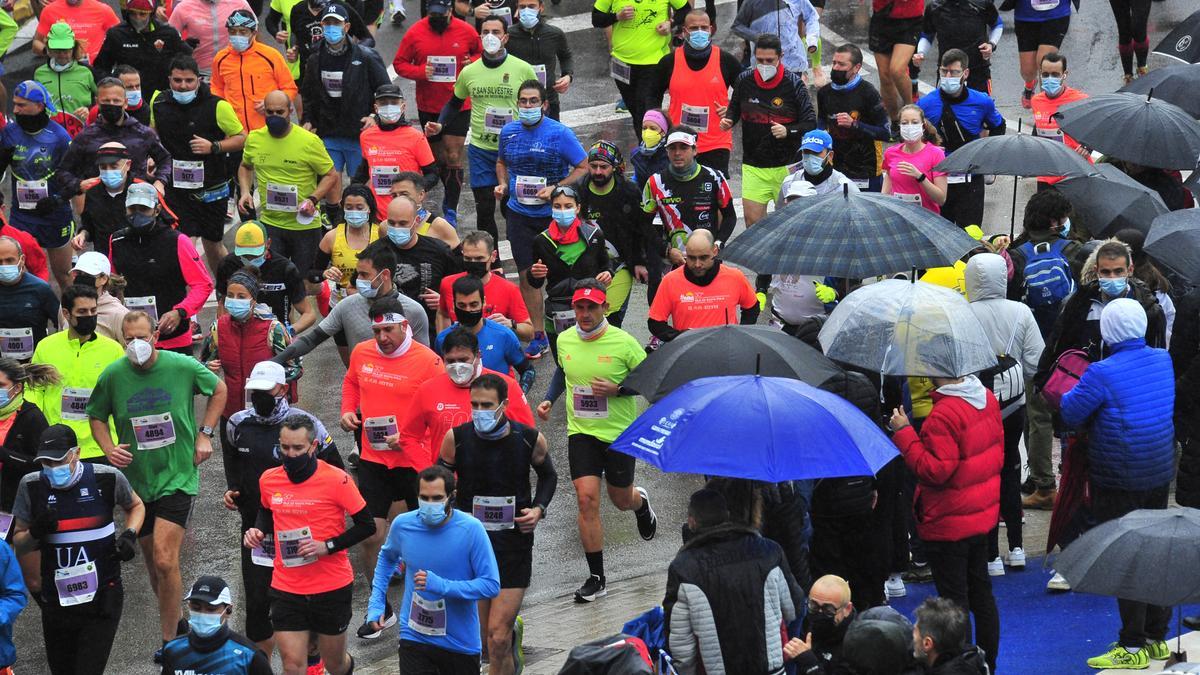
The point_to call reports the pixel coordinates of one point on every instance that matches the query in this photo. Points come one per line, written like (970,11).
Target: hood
(1122,319)
(986,277)
(970,390)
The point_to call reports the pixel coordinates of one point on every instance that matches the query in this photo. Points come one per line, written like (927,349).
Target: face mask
(133,98)
(460,373)
(263,402)
(432,513)
(400,236)
(204,625)
(813,164)
(439,22)
(491,44)
(5,401)
(141,221)
(9,273)
(699,39)
(529,116)
(766,72)
(1053,86)
(31,123)
(139,351)
(333,34)
(839,77)
(356,218)
(824,627)
(475,268)
(390,114)
(1113,287)
(184,97)
(299,468)
(111,113)
(240,43)
(564,217)
(58,476)
(487,422)
(950,85)
(365,288)
(238,308)
(139,24)
(61,67)
(85,325)
(278,126)
(469,319)
(651,138)
(1065,229)
(112,178)
(528,17)
(912,132)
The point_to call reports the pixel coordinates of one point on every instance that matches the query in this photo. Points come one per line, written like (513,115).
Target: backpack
(1068,370)
(1006,379)
(1048,279)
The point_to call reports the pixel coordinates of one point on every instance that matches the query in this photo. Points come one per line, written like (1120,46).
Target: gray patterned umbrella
(850,235)
(1135,128)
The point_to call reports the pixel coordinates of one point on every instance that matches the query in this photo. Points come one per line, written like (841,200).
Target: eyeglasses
(946,72)
(825,609)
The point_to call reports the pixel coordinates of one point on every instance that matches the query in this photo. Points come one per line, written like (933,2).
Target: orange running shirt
(686,305)
(1046,126)
(441,405)
(90,20)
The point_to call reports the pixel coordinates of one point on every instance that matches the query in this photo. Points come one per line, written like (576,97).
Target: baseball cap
(595,295)
(800,188)
(817,141)
(140,5)
(35,91)
(336,11)
(266,376)
(61,36)
(388,91)
(110,151)
(681,137)
(210,590)
(241,18)
(438,6)
(94,263)
(141,194)
(250,239)
(56,442)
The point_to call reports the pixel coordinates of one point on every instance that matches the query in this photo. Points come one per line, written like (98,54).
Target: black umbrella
(1193,182)
(1016,155)
(613,655)
(1138,129)
(1183,43)
(1176,84)
(1174,241)
(1110,200)
(728,350)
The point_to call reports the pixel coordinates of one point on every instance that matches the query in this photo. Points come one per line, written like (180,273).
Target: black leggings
(485,210)
(638,94)
(80,638)
(1010,486)
(1131,16)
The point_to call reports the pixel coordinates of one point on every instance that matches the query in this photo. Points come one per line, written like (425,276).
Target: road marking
(583,21)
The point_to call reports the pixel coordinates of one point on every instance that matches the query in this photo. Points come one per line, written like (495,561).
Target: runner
(307,32)
(338,251)
(144,41)
(701,293)
(909,166)
(641,37)
(499,346)
(595,358)
(89,19)
(93,269)
(505,304)
(1132,16)
(211,645)
(422,262)
(24,423)
(853,113)
(1041,26)
(64,514)
(756,18)
(282,286)
(972,26)
(894,32)
(1055,93)
(67,76)
(158,445)
(304,504)
(104,203)
(29,307)
(391,146)
(412,185)
(544,46)
(247,69)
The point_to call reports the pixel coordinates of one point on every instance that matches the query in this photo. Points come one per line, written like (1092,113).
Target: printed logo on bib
(563,320)
(30,191)
(282,197)
(528,188)
(143,303)
(378,429)
(382,178)
(187,175)
(289,547)
(620,71)
(445,68)
(427,617)
(496,513)
(1044,5)
(16,343)
(332,81)
(587,404)
(1055,134)
(74,403)
(76,585)
(153,431)
(494,119)
(956,178)
(695,116)
(263,555)
(904,197)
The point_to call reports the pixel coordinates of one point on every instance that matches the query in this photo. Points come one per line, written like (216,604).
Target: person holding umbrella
(908,167)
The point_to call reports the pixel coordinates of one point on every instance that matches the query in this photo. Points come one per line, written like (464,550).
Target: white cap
(266,376)
(800,188)
(94,263)
(681,137)
(1122,319)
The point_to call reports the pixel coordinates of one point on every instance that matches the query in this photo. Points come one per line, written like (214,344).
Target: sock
(1133,650)
(452,179)
(1029,86)
(1126,52)
(595,562)
(1142,50)
(314,658)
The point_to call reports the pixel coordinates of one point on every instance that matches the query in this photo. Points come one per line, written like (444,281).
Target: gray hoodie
(1009,324)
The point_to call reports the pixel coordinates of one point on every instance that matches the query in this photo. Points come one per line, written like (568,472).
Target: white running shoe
(1016,558)
(894,587)
(1058,584)
(996,567)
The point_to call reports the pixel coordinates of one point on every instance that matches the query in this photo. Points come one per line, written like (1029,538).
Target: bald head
(402,214)
(831,589)
(700,252)
(277,100)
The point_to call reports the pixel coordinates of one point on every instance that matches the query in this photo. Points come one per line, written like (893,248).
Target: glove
(45,523)
(47,205)
(762,301)
(126,546)
(824,293)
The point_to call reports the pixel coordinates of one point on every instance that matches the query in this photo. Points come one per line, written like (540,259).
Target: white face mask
(460,373)
(139,351)
(767,72)
(390,113)
(491,43)
(912,132)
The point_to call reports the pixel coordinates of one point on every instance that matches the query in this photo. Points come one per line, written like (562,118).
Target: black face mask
(826,631)
(32,123)
(263,402)
(111,113)
(298,469)
(439,22)
(85,325)
(141,221)
(703,278)
(85,279)
(475,268)
(277,126)
(469,319)
(839,77)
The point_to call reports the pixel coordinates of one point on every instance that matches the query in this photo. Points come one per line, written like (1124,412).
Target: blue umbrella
(761,428)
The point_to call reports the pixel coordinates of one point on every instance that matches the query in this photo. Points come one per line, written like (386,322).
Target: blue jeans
(346,153)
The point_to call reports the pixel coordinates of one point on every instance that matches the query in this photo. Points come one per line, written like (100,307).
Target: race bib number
(540,71)
(382,178)
(445,68)
(187,175)
(587,404)
(794,167)
(1055,134)
(528,188)
(957,178)
(504,13)
(76,585)
(378,429)
(905,197)
(263,555)
(74,403)
(282,198)
(496,513)
(143,303)
(30,191)
(16,343)
(563,320)
(427,617)
(494,119)
(6,521)
(620,71)
(153,431)
(695,116)
(289,547)
(332,81)
(1044,5)
(862,183)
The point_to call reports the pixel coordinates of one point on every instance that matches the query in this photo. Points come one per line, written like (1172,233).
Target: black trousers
(638,94)
(964,202)
(256,582)
(423,659)
(850,548)
(960,574)
(79,639)
(1010,486)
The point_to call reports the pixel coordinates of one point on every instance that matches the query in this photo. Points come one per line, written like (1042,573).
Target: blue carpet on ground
(1042,632)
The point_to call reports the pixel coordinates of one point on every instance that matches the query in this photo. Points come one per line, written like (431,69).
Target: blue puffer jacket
(1127,400)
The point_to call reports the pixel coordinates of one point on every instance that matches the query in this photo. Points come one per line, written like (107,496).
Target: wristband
(921,178)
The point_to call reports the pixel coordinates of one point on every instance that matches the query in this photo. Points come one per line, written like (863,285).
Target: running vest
(85,528)
(178,122)
(240,346)
(495,469)
(344,256)
(150,263)
(695,97)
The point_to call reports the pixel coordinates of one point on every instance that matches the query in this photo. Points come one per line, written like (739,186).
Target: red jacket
(957,461)
(35,255)
(459,40)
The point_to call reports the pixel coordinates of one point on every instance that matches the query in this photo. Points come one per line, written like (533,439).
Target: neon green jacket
(80,366)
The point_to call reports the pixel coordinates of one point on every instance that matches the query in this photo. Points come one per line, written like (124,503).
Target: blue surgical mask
(256,262)
(366,288)
(133,97)
(58,476)
(204,625)
(184,97)
(529,116)
(5,398)
(951,85)
(240,43)
(528,17)
(333,34)
(484,420)
(9,273)
(356,218)
(432,513)
(564,217)
(239,308)
(112,178)
(813,164)
(61,67)
(1113,287)
(1053,86)
(699,39)
(1065,229)
(400,236)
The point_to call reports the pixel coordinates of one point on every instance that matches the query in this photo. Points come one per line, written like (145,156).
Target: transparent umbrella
(898,327)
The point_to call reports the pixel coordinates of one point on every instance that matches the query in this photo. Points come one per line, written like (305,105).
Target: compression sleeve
(363,526)
(450,109)
(662,330)
(547,481)
(602,19)
(997,32)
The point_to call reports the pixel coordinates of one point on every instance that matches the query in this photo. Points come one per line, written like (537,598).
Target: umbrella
(759,428)
(728,350)
(1110,200)
(1174,241)
(1137,129)
(1183,43)
(849,235)
(898,327)
(1176,84)
(1016,155)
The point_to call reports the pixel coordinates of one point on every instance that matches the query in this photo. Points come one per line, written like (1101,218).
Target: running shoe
(918,574)
(620,106)
(1142,70)
(894,587)
(1016,558)
(352,460)
(1120,658)
(398,18)
(158,654)
(451,216)
(367,632)
(1058,584)
(1158,651)
(518,649)
(996,567)
(538,346)
(1027,98)
(591,589)
(647,522)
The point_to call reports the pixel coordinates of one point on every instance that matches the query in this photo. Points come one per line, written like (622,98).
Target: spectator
(940,640)
(831,614)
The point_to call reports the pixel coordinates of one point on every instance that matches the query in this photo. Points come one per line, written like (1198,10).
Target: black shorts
(196,218)
(325,613)
(457,126)
(380,486)
(515,564)
(299,246)
(590,456)
(1033,34)
(175,508)
(417,658)
(885,32)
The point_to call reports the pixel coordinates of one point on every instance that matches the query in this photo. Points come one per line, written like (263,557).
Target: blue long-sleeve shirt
(460,566)
(12,601)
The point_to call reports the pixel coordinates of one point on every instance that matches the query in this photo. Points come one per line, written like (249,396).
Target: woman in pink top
(908,168)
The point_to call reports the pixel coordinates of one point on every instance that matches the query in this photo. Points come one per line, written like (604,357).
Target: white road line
(578,22)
